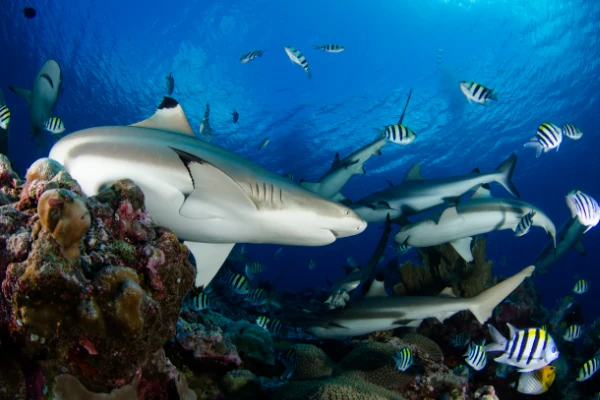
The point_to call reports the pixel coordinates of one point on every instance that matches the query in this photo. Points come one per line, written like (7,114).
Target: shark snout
(352,224)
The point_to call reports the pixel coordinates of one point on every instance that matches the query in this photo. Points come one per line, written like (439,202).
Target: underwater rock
(98,316)
(9,182)
(242,383)
(486,393)
(160,380)
(426,349)
(68,387)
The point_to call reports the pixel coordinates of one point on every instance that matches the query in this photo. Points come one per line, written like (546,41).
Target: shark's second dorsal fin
(447,292)
(449,215)
(169,116)
(483,192)
(413,174)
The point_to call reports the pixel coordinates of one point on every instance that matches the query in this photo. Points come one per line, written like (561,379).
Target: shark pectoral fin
(169,116)
(482,192)
(25,93)
(463,248)
(339,198)
(382,205)
(579,247)
(413,174)
(213,191)
(411,323)
(311,186)
(209,257)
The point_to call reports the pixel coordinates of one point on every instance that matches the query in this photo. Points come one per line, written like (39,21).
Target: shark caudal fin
(484,303)
(505,172)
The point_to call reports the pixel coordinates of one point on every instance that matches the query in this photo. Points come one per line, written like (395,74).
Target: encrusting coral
(98,307)
(312,362)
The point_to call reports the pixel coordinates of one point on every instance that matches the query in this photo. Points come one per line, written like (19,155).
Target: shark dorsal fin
(169,116)
(483,192)
(449,215)
(447,292)
(336,160)
(377,289)
(413,174)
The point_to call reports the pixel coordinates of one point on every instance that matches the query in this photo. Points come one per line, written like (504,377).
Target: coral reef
(312,362)
(241,383)
(80,306)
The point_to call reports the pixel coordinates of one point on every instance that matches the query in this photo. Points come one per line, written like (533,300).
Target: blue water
(541,57)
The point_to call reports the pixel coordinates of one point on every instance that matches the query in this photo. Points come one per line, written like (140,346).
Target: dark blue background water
(541,57)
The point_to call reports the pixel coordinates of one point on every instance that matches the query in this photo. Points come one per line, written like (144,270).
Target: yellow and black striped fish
(290,360)
(331,48)
(275,327)
(298,58)
(200,302)
(581,286)
(571,131)
(399,134)
(477,92)
(573,333)
(547,137)
(257,297)
(239,284)
(54,125)
(4,117)
(525,224)
(251,56)
(588,370)
(404,359)
(528,349)
(253,269)
(476,356)
(263,321)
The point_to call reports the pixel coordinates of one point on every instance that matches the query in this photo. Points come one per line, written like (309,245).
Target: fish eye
(554,349)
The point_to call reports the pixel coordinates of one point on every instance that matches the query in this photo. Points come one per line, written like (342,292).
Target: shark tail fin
(505,173)
(484,303)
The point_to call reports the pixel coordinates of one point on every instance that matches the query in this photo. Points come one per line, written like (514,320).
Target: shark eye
(347,212)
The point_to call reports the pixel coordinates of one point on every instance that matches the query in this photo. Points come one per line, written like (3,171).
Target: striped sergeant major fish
(200,302)
(476,356)
(404,359)
(298,58)
(253,269)
(573,333)
(170,84)
(290,360)
(588,369)
(584,207)
(461,340)
(548,137)
(399,133)
(581,286)
(331,48)
(4,117)
(571,131)
(525,224)
(528,349)
(251,56)
(275,327)
(477,92)
(239,284)
(257,297)
(263,321)
(54,125)
(205,130)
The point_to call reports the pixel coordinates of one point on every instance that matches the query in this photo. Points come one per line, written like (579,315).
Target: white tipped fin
(447,292)
(169,116)
(481,193)
(377,289)
(463,248)
(213,189)
(413,174)
(25,93)
(209,259)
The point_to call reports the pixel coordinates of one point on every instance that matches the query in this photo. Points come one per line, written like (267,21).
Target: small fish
(4,117)
(389,182)
(251,56)
(477,92)
(584,207)
(476,356)
(205,130)
(208,289)
(297,58)
(311,264)
(54,125)
(236,116)
(352,262)
(461,340)
(573,333)
(239,284)
(263,321)
(277,252)
(401,249)
(29,12)
(565,303)
(502,370)
(536,382)
(290,361)
(244,314)
(571,131)
(588,369)
(528,349)
(398,134)
(275,327)
(200,302)
(170,84)
(581,286)
(404,359)
(264,143)
(525,224)
(548,137)
(257,297)
(289,176)
(253,269)
(330,48)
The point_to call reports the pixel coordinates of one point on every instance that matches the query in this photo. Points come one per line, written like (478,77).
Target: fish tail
(317,47)
(537,146)
(505,173)
(483,304)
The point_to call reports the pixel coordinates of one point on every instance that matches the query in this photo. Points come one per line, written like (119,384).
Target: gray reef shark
(210,197)
(43,95)
(374,314)
(569,237)
(415,195)
(481,214)
(341,171)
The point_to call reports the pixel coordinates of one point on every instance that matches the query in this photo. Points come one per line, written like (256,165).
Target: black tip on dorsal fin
(476,171)
(486,186)
(168,102)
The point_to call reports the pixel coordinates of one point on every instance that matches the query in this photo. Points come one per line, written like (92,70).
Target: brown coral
(65,216)
(312,362)
(43,169)
(426,348)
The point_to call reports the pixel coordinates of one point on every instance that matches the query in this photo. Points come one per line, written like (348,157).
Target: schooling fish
(4,117)
(536,382)
(251,56)
(200,302)
(275,327)
(525,224)
(236,116)
(588,369)
(581,286)
(461,340)
(584,207)
(253,269)
(54,125)
(573,333)
(331,48)
(239,284)
(565,303)
(170,84)
(401,249)
(398,134)
(311,264)
(257,297)
(476,356)
(528,349)
(290,361)
(264,143)
(571,131)
(263,321)
(477,92)
(297,58)
(548,137)
(404,359)
(205,130)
